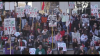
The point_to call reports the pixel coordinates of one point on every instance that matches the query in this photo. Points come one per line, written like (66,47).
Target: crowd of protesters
(38,34)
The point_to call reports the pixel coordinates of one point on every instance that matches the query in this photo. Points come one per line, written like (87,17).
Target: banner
(1,5)
(52,21)
(33,12)
(9,26)
(63,45)
(32,50)
(20,11)
(9,5)
(7,49)
(27,9)
(77,36)
(71,5)
(94,9)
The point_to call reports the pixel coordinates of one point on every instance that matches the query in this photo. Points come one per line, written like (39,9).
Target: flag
(43,5)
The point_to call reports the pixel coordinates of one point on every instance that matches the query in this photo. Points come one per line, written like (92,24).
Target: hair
(60,48)
(76,40)
(80,47)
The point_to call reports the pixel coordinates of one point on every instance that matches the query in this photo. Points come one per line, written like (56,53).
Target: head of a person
(75,40)
(31,34)
(40,34)
(20,39)
(39,24)
(60,49)
(99,45)
(92,47)
(40,46)
(74,28)
(44,40)
(29,40)
(0,12)
(95,14)
(84,33)
(49,48)
(16,47)
(58,33)
(63,13)
(62,29)
(81,47)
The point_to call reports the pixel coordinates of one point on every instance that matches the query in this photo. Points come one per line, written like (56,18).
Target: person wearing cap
(84,38)
(92,50)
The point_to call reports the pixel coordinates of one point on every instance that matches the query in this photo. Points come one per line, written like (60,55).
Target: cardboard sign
(9,26)
(27,9)
(71,5)
(9,5)
(52,21)
(63,45)
(1,5)
(20,11)
(94,9)
(32,50)
(77,36)
(33,12)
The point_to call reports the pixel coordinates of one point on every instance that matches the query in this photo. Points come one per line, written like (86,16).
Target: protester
(40,50)
(81,51)
(60,50)
(21,43)
(17,50)
(30,44)
(92,50)
(49,50)
(25,51)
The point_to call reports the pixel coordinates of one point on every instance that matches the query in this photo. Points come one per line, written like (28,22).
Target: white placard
(9,26)
(52,21)
(94,9)
(63,45)
(9,5)
(32,50)
(96,47)
(77,36)
(33,12)
(1,5)
(27,9)
(20,11)
(71,5)
(17,34)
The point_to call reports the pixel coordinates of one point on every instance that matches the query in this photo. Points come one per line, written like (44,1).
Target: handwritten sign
(63,45)
(1,5)
(94,9)
(20,11)
(9,26)
(77,36)
(52,21)
(27,9)
(33,12)
(71,5)
(32,50)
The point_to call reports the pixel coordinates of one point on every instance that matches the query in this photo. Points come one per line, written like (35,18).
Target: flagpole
(52,33)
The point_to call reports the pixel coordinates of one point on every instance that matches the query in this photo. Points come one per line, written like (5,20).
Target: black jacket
(75,44)
(30,45)
(17,52)
(80,51)
(37,44)
(98,49)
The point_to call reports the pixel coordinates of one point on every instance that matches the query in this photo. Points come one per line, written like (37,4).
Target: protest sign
(71,5)
(32,50)
(52,21)
(27,9)
(25,42)
(74,11)
(20,11)
(33,12)
(63,45)
(85,20)
(9,26)
(94,9)
(9,5)
(95,38)
(7,49)
(1,5)
(77,36)
(17,34)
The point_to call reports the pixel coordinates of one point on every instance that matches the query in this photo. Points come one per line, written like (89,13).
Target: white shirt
(84,37)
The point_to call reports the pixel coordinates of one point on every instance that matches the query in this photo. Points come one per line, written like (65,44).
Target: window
(21,4)
(30,4)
